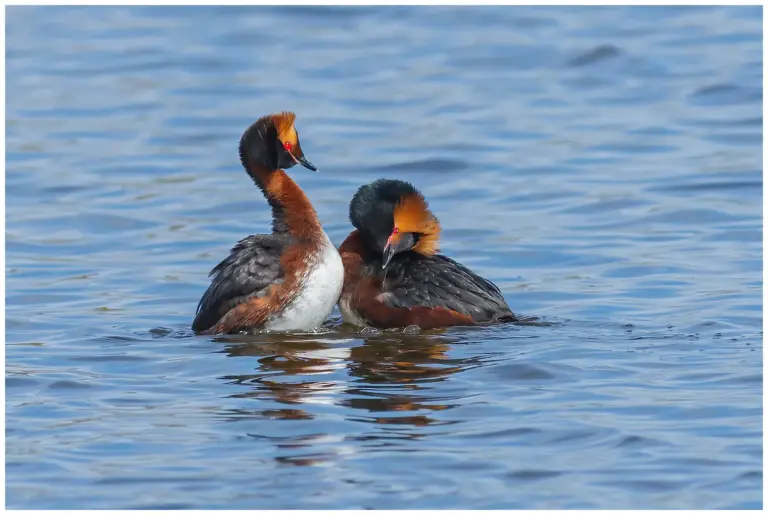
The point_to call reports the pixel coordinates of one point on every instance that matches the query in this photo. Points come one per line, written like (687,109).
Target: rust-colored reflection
(302,461)
(235,415)
(409,363)
(281,359)
(387,381)
(401,359)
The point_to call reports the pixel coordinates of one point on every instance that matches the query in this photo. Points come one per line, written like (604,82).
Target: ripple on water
(603,166)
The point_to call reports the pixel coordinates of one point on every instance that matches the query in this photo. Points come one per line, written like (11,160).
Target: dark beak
(305,163)
(404,242)
(389,253)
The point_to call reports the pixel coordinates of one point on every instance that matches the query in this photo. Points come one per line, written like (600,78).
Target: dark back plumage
(251,267)
(411,279)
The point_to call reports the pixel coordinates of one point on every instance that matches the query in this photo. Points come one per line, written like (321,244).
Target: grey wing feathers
(439,281)
(251,267)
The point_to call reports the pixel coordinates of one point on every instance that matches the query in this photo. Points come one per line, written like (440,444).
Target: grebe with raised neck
(291,279)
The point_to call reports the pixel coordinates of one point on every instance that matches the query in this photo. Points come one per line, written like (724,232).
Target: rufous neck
(292,213)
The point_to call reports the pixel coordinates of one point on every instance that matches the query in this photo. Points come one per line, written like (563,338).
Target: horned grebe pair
(387,273)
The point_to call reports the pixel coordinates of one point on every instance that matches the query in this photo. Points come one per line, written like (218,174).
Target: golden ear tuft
(284,124)
(412,214)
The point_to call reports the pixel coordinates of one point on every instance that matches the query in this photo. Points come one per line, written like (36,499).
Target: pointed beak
(389,253)
(396,243)
(303,161)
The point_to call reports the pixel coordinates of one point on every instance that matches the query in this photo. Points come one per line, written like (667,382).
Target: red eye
(287,146)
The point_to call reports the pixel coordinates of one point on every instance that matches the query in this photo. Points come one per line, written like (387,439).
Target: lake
(603,166)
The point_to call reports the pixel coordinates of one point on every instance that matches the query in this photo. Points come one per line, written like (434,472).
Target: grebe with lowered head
(291,279)
(393,275)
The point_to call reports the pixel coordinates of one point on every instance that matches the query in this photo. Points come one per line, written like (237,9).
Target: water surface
(603,166)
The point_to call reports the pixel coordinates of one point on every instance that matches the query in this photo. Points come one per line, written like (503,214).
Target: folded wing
(440,282)
(246,275)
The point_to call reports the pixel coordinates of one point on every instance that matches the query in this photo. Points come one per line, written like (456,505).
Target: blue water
(602,165)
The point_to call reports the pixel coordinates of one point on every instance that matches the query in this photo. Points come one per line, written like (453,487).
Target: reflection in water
(279,357)
(405,361)
(388,373)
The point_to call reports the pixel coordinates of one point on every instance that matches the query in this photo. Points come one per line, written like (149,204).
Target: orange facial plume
(412,215)
(284,124)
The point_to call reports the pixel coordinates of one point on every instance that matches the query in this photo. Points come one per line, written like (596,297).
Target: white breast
(319,290)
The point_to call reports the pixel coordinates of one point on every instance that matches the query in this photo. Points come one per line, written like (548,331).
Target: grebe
(393,275)
(291,279)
